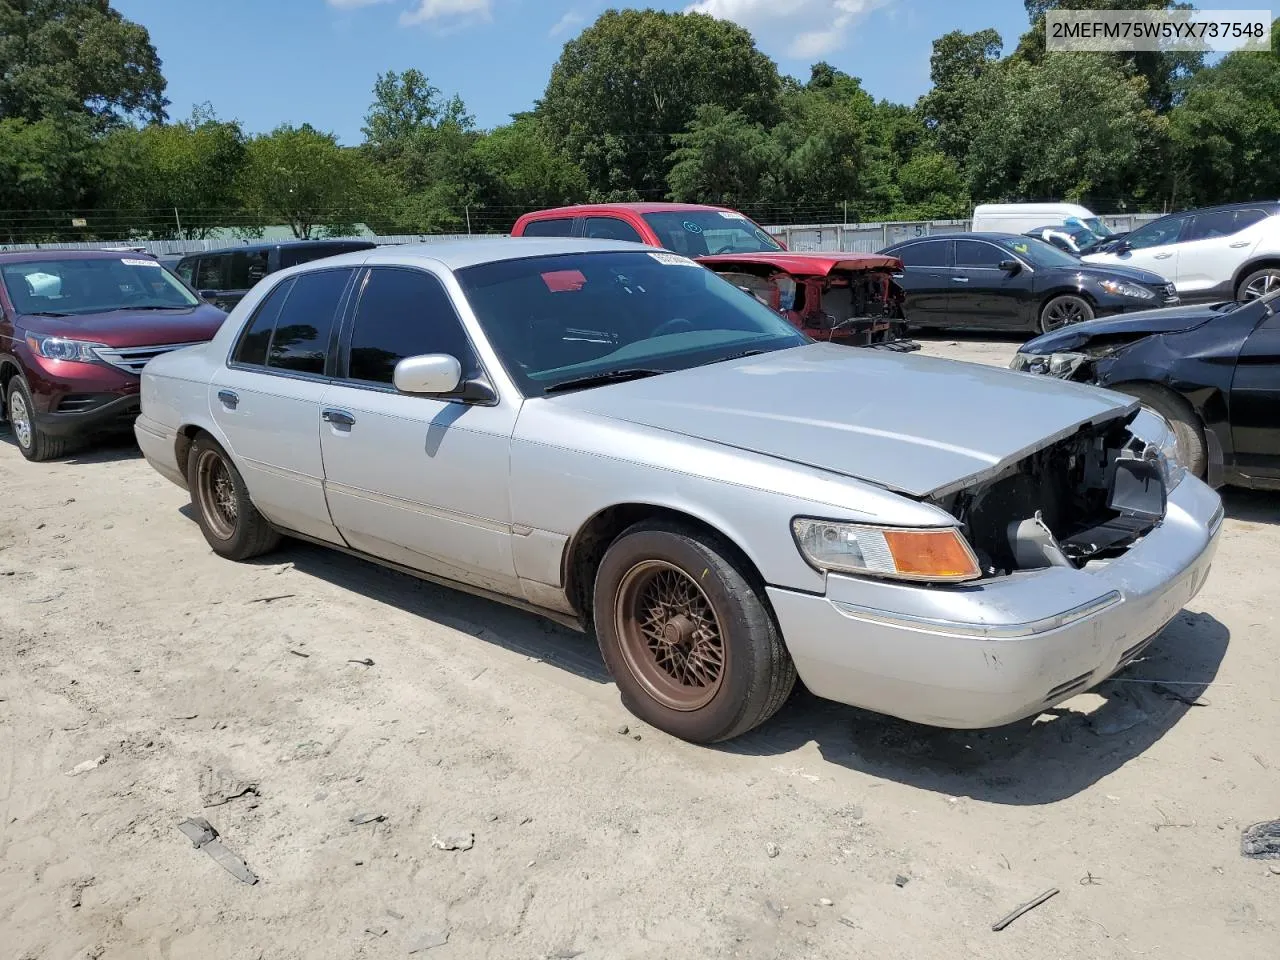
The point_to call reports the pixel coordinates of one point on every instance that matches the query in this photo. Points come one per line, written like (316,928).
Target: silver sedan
(616,438)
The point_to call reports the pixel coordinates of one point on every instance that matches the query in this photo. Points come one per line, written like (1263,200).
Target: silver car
(614,437)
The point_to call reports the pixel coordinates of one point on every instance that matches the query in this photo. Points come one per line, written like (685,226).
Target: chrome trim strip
(985,631)
(1215,522)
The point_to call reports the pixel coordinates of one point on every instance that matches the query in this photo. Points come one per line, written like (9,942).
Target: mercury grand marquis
(615,437)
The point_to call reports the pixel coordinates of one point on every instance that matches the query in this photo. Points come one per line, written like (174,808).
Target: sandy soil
(829,833)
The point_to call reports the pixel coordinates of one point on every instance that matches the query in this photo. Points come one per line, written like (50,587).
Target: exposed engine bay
(861,308)
(1087,498)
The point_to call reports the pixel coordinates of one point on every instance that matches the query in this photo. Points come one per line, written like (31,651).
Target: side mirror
(429,374)
(1010,266)
(1121,246)
(207,294)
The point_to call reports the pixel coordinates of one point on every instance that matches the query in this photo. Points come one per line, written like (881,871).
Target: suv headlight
(938,554)
(1120,288)
(1061,365)
(60,348)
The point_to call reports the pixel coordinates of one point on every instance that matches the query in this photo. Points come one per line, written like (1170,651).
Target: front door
(266,400)
(1215,246)
(1155,247)
(984,296)
(927,280)
(1255,401)
(417,480)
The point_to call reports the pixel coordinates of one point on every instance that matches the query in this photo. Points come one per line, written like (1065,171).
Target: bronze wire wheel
(217,493)
(669,635)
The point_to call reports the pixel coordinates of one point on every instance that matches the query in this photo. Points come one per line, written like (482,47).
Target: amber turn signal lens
(931,554)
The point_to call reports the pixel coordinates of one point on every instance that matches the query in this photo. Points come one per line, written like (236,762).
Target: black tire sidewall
(1188,431)
(16,386)
(730,595)
(237,546)
(1244,284)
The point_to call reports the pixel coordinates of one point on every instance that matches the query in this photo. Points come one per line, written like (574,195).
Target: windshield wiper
(600,379)
(46,313)
(152,306)
(738,356)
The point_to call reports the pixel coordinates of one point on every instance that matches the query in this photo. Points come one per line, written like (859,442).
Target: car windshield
(93,285)
(697,233)
(1097,227)
(1038,253)
(563,318)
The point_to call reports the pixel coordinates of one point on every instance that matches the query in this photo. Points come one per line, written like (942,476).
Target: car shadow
(1252,506)
(1036,761)
(107,449)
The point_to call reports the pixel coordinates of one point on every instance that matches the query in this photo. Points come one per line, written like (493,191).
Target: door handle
(959,279)
(340,417)
(228,398)
(1162,256)
(1237,246)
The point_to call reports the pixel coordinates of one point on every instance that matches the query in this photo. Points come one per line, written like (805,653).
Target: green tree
(192,167)
(521,170)
(1226,132)
(726,159)
(48,169)
(958,65)
(304,178)
(76,57)
(628,84)
(932,187)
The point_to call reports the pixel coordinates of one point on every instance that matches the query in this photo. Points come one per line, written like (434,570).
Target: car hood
(1128,326)
(803,264)
(1108,271)
(133,328)
(918,425)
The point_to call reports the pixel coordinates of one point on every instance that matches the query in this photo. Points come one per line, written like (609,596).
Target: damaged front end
(1084,500)
(840,301)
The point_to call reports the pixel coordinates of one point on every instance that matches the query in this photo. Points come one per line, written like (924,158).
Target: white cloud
(804,29)
(567,22)
(432,10)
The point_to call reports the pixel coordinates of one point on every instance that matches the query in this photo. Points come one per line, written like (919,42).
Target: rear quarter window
(554,227)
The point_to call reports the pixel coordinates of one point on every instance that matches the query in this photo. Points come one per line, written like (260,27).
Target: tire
(1192,451)
(33,443)
(1258,283)
(1063,310)
(228,519)
(719,614)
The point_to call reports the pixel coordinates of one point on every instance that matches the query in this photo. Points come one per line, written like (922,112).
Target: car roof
(282,244)
(961,236)
(53,253)
(654,207)
(1273,206)
(457,254)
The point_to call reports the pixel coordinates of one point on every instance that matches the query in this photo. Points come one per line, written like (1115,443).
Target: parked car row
(614,437)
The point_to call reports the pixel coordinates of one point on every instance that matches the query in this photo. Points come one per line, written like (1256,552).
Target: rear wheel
(228,519)
(33,443)
(1259,284)
(1181,416)
(1060,311)
(687,636)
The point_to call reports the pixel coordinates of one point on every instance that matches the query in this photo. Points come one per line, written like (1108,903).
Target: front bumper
(80,414)
(991,653)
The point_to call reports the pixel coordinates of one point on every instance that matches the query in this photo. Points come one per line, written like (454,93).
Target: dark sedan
(1006,281)
(1212,371)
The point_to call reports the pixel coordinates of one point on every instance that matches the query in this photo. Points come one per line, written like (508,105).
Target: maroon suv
(76,329)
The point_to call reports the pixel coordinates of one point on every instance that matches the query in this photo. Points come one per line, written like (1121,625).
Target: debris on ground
(1169,693)
(77,890)
(901,881)
(826,902)
(624,729)
(204,837)
(376,930)
(362,818)
(366,662)
(1026,907)
(1111,720)
(849,922)
(87,765)
(454,841)
(273,599)
(299,653)
(221,786)
(1261,841)
(771,850)
(429,939)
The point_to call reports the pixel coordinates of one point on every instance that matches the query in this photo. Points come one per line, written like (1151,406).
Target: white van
(1021,217)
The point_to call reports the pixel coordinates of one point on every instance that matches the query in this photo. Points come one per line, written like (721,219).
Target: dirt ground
(828,833)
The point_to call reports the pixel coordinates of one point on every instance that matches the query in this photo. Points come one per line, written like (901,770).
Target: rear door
(213,281)
(421,481)
(927,280)
(1215,246)
(1255,401)
(266,400)
(610,228)
(549,227)
(984,296)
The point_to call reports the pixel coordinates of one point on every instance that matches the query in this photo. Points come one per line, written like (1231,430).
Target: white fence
(839,237)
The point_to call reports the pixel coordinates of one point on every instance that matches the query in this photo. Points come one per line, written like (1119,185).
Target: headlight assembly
(1061,365)
(1120,288)
(1162,441)
(60,348)
(938,554)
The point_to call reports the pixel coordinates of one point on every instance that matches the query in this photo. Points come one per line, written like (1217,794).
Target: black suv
(223,277)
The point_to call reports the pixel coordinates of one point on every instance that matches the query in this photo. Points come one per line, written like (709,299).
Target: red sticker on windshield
(564,281)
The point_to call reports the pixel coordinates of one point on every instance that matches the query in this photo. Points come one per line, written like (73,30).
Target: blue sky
(267,62)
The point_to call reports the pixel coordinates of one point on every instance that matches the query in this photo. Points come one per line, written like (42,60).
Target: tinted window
(1157,233)
(930,253)
(257,336)
(561,227)
(975,253)
(292,256)
(611,228)
(301,340)
(696,233)
(1039,253)
(244,269)
(1223,223)
(186,270)
(404,313)
(212,273)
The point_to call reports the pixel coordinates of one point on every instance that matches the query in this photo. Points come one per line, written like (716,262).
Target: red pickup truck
(847,298)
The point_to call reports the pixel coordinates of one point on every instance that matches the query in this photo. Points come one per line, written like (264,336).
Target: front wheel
(686,635)
(1187,427)
(228,519)
(33,443)
(1060,311)
(1258,284)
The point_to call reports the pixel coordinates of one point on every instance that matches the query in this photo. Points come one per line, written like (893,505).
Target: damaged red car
(845,298)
